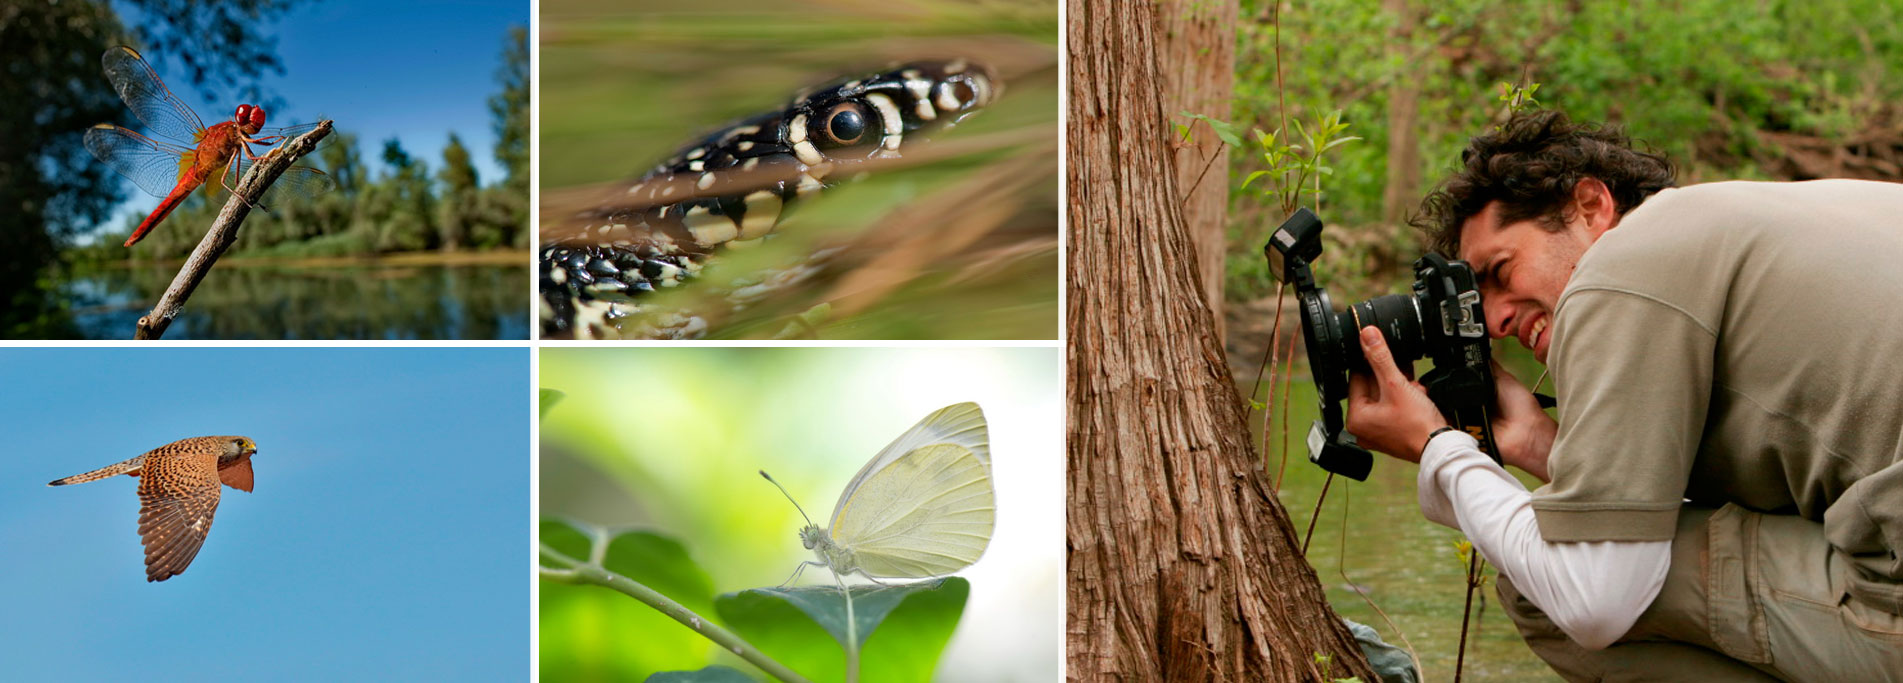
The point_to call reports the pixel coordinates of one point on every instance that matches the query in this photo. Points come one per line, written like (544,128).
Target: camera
(1441,320)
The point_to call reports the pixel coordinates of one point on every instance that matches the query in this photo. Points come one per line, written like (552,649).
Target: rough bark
(1182,565)
(1196,55)
(1404,149)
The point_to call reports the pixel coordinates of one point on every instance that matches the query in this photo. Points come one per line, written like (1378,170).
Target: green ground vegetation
(1766,90)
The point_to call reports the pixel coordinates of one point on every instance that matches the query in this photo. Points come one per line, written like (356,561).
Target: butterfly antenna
(789,497)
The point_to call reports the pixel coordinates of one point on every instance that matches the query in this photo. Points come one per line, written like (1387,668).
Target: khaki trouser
(1749,597)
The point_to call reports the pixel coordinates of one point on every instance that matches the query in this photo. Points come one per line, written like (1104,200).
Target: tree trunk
(1182,565)
(1196,56)
(1404,148)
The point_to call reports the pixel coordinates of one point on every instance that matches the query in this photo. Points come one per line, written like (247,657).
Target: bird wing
(177,497)
(237,475)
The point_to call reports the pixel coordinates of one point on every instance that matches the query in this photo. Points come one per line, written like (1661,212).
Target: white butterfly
(922,507)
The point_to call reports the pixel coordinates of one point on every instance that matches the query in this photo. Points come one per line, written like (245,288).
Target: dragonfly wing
(152,165)
(276,137)
(298,182)
(301,182)
(163,113)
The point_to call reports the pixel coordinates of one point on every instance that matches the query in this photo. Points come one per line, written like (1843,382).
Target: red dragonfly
(186,154)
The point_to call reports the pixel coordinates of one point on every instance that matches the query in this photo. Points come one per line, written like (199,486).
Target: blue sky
(387,537)
(415,71)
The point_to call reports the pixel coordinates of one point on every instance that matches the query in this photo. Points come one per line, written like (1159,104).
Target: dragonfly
(182,154)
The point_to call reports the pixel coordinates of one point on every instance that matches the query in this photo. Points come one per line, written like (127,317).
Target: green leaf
(1251,178)
(712,674)
(549,398)
(563,537)
(1225,130)
(589,632)
(902,628)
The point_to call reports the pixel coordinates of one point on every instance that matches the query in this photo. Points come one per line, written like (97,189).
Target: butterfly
(922,507)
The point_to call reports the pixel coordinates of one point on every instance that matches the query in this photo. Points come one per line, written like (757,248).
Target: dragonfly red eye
(244,112)
(257,116)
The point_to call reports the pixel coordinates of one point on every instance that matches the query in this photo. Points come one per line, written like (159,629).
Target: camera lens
(1398,316)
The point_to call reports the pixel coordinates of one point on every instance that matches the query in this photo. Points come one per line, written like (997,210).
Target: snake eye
(845,124)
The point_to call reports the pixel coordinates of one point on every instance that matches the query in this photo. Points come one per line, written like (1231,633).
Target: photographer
(1724,499)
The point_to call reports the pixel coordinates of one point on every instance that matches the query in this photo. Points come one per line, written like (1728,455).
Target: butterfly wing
(928,512)
(962,424)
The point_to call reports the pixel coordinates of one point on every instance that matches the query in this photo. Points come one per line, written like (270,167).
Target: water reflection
(346,302)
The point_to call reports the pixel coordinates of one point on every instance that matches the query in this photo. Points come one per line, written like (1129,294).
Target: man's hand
(1388,412)
(1522,430)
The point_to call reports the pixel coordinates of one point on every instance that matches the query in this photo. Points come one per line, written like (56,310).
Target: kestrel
(179,494)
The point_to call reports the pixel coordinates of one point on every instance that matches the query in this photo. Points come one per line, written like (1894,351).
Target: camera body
(1441,320)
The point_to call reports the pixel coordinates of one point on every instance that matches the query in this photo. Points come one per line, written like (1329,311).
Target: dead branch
(224,230)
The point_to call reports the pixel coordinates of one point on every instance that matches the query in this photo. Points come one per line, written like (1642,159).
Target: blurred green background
(670,439)
(963,247)
(1772,90)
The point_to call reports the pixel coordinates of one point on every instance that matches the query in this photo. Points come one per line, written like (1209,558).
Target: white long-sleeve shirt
(1592,591)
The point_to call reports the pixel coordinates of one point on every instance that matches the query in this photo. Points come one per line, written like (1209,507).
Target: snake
(732,187)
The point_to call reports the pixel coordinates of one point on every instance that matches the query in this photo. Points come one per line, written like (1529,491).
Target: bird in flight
(178,494)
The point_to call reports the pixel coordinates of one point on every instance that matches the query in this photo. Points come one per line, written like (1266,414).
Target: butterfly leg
(798,570)
(869,577)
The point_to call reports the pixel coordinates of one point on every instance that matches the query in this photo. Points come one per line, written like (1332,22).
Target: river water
(336,302)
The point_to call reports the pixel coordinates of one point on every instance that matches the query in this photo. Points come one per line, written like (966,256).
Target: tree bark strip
(1197,59)
(1182,566)
(1403,191)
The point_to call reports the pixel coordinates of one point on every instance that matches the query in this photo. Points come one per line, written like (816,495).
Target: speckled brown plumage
(178,495)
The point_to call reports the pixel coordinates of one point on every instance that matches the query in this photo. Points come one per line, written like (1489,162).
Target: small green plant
(1326,661)
(1517,98)
(1291,165)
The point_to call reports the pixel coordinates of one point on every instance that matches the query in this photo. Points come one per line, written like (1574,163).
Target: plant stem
(593,575)
(852,633)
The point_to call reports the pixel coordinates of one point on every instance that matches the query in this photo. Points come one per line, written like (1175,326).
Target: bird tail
(132,467)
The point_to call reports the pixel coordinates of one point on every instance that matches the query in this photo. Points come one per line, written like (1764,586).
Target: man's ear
(1593,205)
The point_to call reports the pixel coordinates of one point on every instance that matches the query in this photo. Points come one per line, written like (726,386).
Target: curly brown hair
(1530,166)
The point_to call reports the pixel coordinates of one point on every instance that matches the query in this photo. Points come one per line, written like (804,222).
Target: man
(1724,500)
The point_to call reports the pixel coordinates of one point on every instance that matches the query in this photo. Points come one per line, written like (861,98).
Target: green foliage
(591,635)
(1290,165)
(712,674)
(902,628)
(1699,80)
(549,398)
(1326,662)
(511,109)
(1225,131)
(459,194)
(1285,181)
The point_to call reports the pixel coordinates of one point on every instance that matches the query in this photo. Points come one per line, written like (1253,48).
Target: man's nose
(1499,317)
